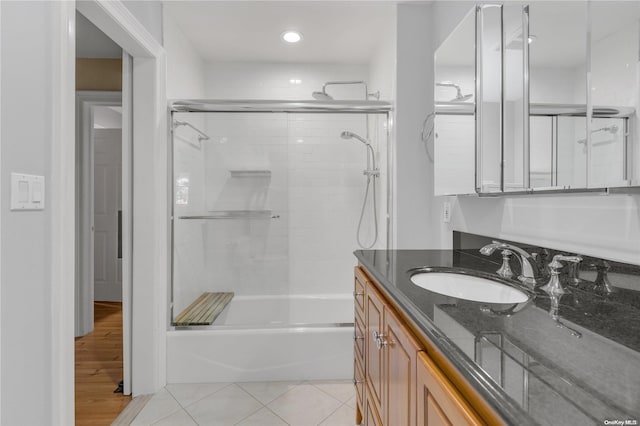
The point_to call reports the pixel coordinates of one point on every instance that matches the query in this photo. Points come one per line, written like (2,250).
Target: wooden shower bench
(204,310)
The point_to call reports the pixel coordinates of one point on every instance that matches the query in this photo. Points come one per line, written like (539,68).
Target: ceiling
(333,31)
(93,43)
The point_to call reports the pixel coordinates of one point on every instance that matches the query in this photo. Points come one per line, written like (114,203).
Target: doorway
(146,149)
(102,144)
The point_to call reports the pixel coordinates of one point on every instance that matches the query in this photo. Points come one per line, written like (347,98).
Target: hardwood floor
(99,368)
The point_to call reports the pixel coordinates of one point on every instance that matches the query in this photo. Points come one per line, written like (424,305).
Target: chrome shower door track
(310,106)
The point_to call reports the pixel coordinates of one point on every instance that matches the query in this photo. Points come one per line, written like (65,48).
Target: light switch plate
(446,212)
(27,192)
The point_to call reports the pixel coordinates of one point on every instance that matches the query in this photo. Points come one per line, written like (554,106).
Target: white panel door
(107,204)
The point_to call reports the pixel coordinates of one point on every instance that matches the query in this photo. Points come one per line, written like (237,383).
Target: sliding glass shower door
(266,206)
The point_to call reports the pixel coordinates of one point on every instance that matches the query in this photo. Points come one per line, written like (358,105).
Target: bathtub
(267,338)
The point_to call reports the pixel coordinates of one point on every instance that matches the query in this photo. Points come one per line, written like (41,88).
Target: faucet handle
(555,263)
(554,287)
(505,270)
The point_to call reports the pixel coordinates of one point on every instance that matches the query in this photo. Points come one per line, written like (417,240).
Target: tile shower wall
(303,186)
(305,194)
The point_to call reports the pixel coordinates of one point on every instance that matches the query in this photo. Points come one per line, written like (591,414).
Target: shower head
(350,135)
(321,96)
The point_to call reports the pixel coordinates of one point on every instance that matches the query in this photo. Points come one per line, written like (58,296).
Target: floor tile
(305,405)
(263,417)
(160,406)
(179,418)
(266,392)
(353,402)
(226,407)
(188,393)
(343,416)
(341,390)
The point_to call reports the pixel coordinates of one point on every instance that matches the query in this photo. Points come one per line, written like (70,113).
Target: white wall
(26,246)
(282,81)
(416,209)
(149,14)
(606,226)
(185,67)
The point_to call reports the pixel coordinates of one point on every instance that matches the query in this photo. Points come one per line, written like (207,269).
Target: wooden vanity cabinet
(439,403)
(402,385)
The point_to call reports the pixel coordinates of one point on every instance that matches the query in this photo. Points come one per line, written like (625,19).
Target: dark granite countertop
(581,369)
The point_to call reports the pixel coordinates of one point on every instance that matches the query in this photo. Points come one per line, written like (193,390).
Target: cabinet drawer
(359,335)
(358,292)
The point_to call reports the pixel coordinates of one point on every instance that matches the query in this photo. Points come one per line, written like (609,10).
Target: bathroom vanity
(426,358)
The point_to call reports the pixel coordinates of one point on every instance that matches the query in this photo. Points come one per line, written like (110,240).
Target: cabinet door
(373,363)
(371,417)
(400,358)
(439,403)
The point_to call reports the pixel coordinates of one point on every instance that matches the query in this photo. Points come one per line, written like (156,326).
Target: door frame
(85,101)
(149,183)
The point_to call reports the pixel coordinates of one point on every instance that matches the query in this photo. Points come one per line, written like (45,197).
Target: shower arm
(364,83)
(450,84)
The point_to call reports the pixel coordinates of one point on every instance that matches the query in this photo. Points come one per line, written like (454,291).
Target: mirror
(515,97)
(489,104)
(557,84)
(454,121)
(579,138)
(558,95)
(614,82)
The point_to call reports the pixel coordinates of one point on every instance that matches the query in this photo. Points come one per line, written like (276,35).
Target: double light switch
(27,192)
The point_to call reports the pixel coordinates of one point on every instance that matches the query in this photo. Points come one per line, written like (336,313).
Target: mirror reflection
(615,74)
(567,150)
(535,96)
(454,122)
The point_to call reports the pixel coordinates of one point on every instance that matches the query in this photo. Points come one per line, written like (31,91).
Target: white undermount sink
(468,287)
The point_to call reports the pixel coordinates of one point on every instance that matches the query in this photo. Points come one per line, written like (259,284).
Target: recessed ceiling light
(291,36)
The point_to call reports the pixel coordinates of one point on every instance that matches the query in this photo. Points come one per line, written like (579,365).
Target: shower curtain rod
(212,105)
(202,135)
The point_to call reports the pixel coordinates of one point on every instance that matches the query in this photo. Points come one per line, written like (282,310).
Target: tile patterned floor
(308,403)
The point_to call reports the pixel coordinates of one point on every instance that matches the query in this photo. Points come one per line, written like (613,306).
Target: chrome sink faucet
(530,272)
(554,287)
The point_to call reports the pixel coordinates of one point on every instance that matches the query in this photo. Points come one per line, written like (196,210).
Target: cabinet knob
(356,381)
(356,337)
(358,294)
(380,343)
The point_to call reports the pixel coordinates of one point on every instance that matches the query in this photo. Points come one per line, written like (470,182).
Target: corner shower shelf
(204,310)
(233,214)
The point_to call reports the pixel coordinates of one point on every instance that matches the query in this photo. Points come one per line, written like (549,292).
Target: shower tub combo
(253,214)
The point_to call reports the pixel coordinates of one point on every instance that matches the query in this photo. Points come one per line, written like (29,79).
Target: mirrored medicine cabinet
(539,97)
